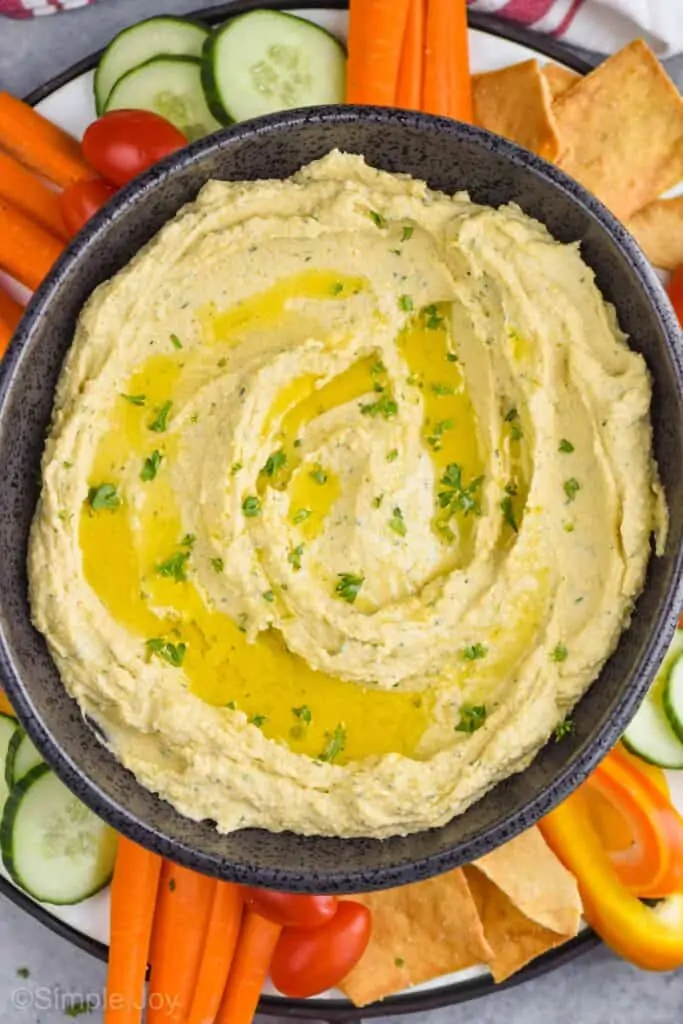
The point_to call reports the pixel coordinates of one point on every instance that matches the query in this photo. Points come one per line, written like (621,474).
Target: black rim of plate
(335,1009)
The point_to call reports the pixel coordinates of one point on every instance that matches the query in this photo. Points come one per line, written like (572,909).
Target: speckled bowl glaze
(450,156)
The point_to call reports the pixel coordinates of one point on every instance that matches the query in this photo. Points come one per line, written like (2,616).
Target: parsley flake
(135,399)
(349,585)
(563,728)
(472,717)
(565,446)
(405,303)
(295,555)
(397,523)
(175,567)
(337,288)
(268,595)
(257,720)
(378,220)
(150,467)
(384,406)
(274,463)
(435,440)
(392,455)
(407,232)
(318,474)
(378,368)
(78,1007)
(302,515)
(571,488)
(217,564)
(508,513)
(175,341)
(102,497)
(559,653)
(167,651)
(336,742)
(473,652)
(251,506)
(451,357)
(159,423)
(441,390)
(304,714)
(235,468)
(458,497)
(377,500)
(433,320)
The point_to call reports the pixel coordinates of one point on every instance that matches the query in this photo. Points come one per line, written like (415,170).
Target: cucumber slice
(673,697)
(53,846)
(154,37)
(265,61)
(8,728)
(170,86)
(22,756)
(650,734)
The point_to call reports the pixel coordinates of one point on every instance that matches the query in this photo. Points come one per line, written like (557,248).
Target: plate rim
(335,1010)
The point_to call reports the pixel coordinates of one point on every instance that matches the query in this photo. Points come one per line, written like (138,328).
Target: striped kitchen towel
(602,25)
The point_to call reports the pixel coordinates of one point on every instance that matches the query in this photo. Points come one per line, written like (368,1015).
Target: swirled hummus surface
(347,497)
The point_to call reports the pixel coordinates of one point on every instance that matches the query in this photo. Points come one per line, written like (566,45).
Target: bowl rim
(579,763)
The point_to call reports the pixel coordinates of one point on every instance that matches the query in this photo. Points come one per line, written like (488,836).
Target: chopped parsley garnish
(318,474)
(159,423)
(65,516)
(337,288)
(150,466)
(336,742)
(175,567)
(304,714)
(78,1007)
(251,506)
(135,399)
(441,390)
(571,488)
(473,652)
(377,500)
(217,564)
(23,972)
(167,651)
(451,357)
(348,586)
(268,595)
(407,232)
(392,455)
(397,523)
(458,497)
(258,720)
(435,439)
(104,496)
(302,515)
(175,341)
(235,468)
(563,728)
(274,463)
(432,318)
(242,622)
(188,540)
(565,446)
(378,220)
(568,527)
(222,363)
(232,705)
(559,653)
(472,717)
(508,513)
(511,415)
(405,303)
(399,961)
(295,555)
(378,368)
(384,406)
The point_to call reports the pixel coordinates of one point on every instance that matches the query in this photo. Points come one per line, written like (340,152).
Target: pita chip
(559,78)
(658,230)
(516,102)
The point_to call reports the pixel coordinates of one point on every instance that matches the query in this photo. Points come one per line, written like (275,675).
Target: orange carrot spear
(219,950)
(30,195)
(255,947)
(409,86)
(39,144)
(376,30)
(27,251)
(447,87)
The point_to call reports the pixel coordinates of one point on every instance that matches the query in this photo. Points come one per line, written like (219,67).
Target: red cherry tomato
(124,143)
(675,290)
(307,962)
(81,200)
(292,911)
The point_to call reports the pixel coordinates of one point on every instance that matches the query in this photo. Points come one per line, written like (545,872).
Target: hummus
(347,496)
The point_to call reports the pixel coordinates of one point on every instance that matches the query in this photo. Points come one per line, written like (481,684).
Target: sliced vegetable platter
(213,94)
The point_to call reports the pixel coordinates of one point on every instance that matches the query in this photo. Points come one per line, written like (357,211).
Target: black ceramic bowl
(450,156)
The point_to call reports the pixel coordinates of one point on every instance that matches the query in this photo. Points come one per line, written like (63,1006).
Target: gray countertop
(596,988)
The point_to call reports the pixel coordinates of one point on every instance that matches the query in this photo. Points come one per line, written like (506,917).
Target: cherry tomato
(81,200)
(290,910)
(675,290)
(124,143)
(308,961)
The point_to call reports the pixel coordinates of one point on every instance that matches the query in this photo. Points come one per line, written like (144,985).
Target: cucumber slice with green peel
(22,756)
(673,697)
(8,728)
(53,846)
(170,86)
(155,37)
(650,734)
(265,61)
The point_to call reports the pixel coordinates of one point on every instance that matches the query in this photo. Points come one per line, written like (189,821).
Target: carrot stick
(29,194)
(133,899)
(10,315)
(180,924)
(5,706)
(409,85)
(447,88)
(27,251)
(376,30)
(39,144)
(219,950)
(255,947)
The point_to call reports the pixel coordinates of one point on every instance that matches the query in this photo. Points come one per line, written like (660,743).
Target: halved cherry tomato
(308,961)
(124,143)
(81,200)
(290,910)
(675,290)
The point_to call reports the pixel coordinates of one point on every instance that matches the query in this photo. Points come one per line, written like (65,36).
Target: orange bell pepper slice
(651,865)
(649,937)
